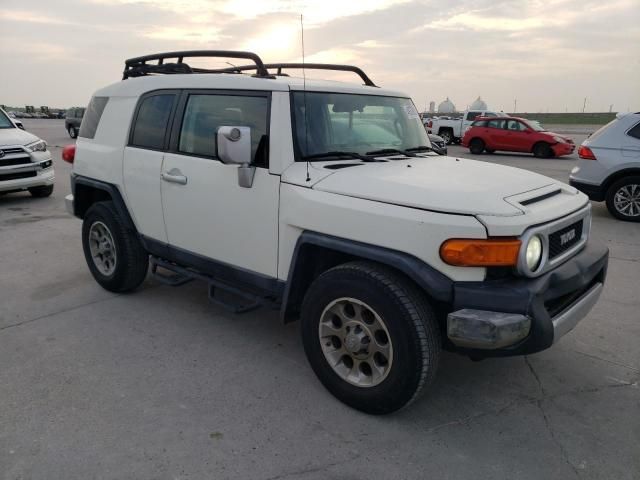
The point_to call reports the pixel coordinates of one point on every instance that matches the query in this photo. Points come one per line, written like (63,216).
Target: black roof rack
(136,67)
(310,66)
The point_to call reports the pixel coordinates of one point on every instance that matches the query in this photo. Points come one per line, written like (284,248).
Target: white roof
(134,87)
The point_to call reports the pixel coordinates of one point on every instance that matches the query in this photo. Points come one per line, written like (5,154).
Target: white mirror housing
(234,145)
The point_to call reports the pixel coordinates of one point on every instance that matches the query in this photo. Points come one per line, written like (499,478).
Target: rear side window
(151,122)
(204,114)
(472,115)
(479,123)
(635,131)
(92,117)
(495,123)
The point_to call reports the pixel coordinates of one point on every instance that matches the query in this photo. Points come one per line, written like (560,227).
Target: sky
(546,55)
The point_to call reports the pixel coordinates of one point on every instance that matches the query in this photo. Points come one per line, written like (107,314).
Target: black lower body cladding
(540,299)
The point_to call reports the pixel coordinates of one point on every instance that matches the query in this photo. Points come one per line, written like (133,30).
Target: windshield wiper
(385,151)
(317,156)
(421,148)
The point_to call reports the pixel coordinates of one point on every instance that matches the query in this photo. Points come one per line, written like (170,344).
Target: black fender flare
(438,286)
(110,189)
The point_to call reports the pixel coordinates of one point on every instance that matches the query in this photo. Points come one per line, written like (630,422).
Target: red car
(514,134)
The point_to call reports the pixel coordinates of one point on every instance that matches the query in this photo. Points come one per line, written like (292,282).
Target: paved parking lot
(160,384)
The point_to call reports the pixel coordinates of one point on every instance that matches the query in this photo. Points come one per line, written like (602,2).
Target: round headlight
(534,253)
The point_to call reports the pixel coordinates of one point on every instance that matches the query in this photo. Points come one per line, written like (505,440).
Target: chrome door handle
(174,176)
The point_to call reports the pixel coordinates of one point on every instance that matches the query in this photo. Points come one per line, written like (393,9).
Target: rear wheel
(113,253)
(542,150)
(623,199)
(370,336)
(41,192)
(476,146)
(447,136)
(73,133)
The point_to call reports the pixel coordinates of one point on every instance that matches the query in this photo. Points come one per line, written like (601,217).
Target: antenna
(304,96)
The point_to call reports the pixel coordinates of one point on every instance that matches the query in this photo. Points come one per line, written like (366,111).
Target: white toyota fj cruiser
(325,199)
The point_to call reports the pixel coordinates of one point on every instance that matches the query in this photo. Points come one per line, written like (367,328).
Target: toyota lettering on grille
(567,237)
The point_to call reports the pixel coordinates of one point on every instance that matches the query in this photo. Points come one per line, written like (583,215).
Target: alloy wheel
(102,247)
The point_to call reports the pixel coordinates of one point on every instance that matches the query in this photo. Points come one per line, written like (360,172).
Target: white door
(142,162)
(206,212)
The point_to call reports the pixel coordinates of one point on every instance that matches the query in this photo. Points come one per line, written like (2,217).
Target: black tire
(41,192)
(489,150)
(476,146)
(73,131)
(131,260)
(447,135)
(627,188)
(542,150)
(411,324)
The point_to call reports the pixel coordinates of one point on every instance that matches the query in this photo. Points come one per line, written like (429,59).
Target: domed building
(479,104)
(446,107)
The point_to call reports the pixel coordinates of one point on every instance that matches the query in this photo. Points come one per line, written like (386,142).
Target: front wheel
(42,191)
(113,252)
(623,199)
(73,132)
(370,336)
(542,150)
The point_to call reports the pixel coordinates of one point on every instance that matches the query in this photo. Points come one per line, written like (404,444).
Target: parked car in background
(452,130)
(438,144)
(25,161)
(15,120)
(513,134)
(609,167)
(72,121)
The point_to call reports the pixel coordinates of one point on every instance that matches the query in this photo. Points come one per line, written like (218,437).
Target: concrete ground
(160,384)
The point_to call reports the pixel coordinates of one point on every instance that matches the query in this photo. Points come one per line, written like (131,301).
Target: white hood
(15,136)
(442,184)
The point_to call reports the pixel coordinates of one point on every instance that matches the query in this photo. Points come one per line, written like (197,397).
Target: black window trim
(136,112)
(178,117)
(628,134)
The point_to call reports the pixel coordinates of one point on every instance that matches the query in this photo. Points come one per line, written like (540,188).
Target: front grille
(562,240)
(10,150)
(17,175)
(8,162)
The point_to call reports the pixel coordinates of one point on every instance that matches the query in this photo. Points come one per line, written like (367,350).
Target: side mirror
(234,147)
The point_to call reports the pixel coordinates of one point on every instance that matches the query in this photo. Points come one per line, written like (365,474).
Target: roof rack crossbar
(138,66)
(311,66)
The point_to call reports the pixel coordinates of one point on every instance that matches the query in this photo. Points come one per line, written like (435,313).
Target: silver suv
(609,167)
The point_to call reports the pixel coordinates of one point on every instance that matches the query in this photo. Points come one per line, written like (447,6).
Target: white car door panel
(206,211)
(209,214)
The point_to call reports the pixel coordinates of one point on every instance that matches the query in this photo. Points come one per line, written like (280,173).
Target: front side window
(206,113)
(151,122)
(91,120)
(479,123)
(515,126)
(472,115)
(332,122)
(5,121)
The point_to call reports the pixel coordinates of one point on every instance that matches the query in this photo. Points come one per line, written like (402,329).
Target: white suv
(325,200)
(609,167)
(25,161)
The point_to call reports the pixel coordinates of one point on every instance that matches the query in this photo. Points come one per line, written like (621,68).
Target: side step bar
(239,301)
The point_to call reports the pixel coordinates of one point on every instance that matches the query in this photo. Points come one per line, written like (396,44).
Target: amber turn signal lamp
(501,252)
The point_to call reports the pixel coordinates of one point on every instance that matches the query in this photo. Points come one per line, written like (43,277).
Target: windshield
(360,124)
(5,121)
(535,125)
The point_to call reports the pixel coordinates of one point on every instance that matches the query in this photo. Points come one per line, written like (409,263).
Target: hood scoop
(539,198)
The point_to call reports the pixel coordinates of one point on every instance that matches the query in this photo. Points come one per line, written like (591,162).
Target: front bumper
(21,178)
(521,316)
(560,149)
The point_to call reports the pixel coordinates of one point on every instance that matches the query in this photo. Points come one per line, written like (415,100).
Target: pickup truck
(452,130)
